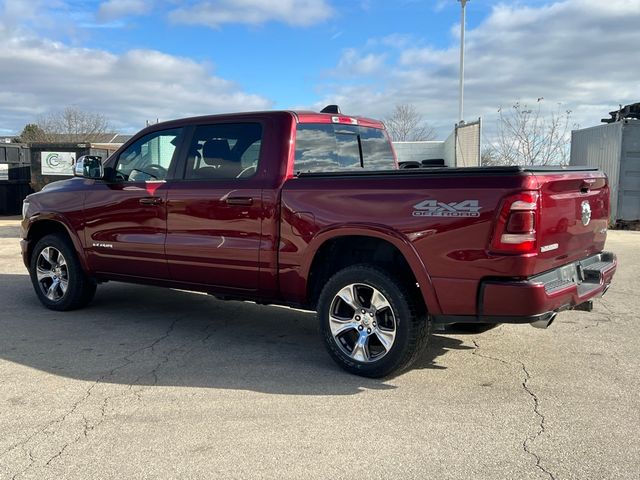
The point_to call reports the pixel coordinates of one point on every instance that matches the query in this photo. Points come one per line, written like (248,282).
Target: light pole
(462,27)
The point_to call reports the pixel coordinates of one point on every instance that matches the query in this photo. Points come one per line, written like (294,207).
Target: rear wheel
(371,324)
(57,277)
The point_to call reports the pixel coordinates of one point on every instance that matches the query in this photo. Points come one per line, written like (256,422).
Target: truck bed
(455,244)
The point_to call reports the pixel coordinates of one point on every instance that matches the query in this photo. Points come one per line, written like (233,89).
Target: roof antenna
(331,109)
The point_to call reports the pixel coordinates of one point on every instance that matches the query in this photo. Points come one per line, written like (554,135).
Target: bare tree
(528,136)
(71,125)
(406,124)
(488,156)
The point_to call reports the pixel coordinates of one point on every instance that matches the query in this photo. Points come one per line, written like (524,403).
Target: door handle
(244,201)
(154,201)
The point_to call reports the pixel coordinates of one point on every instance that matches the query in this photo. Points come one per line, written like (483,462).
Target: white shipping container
(614,148)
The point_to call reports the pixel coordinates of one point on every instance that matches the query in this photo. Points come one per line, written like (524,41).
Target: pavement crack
(165,336)
(52,427)
(207,334)
(59,420)
(495,359)
(32,460)
(606,306)
(530,439)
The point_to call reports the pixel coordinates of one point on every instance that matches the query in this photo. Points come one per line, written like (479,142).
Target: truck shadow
(136,335)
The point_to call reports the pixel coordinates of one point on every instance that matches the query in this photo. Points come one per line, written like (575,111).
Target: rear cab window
(322,147)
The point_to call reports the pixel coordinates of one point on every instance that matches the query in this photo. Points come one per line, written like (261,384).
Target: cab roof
(301,116)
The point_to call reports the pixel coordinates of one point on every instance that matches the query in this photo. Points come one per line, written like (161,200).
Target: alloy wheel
(362,322)
(52,273)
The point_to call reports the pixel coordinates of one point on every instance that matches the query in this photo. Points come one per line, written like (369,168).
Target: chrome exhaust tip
(545,321)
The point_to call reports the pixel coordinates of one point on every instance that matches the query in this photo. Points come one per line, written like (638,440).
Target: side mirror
(89,166)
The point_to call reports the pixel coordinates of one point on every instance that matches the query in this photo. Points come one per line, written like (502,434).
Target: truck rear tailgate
(574,216)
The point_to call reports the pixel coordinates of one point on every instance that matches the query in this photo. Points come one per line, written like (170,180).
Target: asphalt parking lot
(152,383)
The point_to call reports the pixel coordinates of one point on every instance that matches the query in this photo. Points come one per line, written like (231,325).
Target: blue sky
(144,59)
(281,61)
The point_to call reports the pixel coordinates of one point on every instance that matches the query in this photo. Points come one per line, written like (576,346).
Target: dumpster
(15,175)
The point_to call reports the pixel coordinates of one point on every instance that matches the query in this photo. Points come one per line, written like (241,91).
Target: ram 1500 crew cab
(309,210)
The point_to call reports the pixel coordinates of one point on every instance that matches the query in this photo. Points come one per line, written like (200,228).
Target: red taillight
(521,222)
(515,230)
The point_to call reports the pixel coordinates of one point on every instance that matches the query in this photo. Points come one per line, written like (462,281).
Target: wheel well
(42,228)
(341,252)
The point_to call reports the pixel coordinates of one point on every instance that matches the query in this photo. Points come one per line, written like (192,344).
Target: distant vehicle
(310,210)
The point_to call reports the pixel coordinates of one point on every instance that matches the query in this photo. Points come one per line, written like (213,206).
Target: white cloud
(45,15)
(397,40)
(427,56)
(115,9)
(352,63)
(441,5)
(128,88)
(213,13)
(578,52)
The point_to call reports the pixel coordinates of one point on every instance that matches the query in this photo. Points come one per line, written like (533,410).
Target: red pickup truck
(310,210)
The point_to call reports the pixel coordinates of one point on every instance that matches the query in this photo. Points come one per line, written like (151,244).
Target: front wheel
(57,277)
(370,322)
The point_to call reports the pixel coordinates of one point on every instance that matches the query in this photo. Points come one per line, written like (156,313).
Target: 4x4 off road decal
(434,208)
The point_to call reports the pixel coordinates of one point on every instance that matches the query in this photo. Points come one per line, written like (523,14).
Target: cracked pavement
(152,383)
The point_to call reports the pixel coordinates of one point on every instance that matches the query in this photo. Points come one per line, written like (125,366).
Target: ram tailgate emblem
(585,212)
(434,208)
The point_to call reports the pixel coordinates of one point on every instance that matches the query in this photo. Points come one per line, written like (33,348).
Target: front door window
(149,158)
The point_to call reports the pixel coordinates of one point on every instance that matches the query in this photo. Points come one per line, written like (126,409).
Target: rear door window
(336,148)
(224,151)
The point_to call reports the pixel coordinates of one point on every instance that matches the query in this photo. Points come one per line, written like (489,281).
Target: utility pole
(462,28)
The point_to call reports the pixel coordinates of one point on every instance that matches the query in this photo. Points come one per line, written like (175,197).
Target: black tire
(412,326)
(80,289)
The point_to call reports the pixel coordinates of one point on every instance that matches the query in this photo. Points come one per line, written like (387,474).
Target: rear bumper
(540,297)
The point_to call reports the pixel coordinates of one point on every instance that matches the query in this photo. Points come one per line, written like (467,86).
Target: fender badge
(434,208)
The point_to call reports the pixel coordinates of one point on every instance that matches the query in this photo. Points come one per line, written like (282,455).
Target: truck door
(126,217)
(214,214)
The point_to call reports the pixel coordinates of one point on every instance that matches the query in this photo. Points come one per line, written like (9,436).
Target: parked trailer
(614,148)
